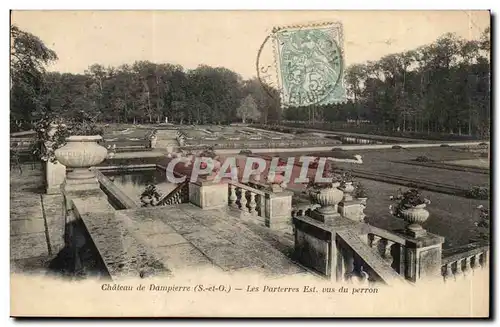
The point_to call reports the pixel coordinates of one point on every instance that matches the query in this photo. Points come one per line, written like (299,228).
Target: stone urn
(327,198)
(80,153)
(347,188)
(415,216)
(214,168)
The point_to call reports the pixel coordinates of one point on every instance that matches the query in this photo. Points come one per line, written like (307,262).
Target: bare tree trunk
(470,122)
(149,109)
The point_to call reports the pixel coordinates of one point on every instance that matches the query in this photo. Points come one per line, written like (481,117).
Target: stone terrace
(36,227)
(186,236)
(181,236)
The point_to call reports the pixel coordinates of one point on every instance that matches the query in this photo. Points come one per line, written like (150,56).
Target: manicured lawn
(450,216)
(386,161)
(481,162)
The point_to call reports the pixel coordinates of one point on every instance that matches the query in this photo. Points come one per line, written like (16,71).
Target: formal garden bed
(447,165)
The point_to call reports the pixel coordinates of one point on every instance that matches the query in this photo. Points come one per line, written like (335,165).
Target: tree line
(147,92)
(143,92)
(442,87)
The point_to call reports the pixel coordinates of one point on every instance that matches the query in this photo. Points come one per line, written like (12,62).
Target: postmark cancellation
(310,64)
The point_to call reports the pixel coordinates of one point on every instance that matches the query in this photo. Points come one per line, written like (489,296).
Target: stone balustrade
(336,249)
(303,209)
(356,260)
(271,209)
(247,199)
(460,262)
(390,246)
(413,258)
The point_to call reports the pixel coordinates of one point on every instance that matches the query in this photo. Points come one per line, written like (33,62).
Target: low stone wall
(259,144)
(116,197)
(342,147)
(92,223)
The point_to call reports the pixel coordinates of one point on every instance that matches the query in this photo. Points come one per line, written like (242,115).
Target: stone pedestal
(313,245)
(422,257)
(208,194)
(278,210)
(55,173)
(81,179)
(352,209)
(416,231)
(325,215)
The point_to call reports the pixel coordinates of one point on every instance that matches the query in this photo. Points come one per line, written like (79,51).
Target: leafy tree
(28,58)
(248,109)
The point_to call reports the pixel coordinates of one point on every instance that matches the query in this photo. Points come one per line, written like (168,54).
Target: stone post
(55,174)
(278,210)
(352,209)
(422,257)
(208,194)
(314,246)
(81,179)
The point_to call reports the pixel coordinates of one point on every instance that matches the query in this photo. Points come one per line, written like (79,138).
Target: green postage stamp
(310,64)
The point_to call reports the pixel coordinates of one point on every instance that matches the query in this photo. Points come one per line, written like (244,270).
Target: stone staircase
(166,139)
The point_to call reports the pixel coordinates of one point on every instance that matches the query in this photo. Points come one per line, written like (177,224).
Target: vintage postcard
(250,163)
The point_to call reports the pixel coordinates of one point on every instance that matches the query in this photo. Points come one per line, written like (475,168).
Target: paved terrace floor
(36,224)
(184,235)
(187,237)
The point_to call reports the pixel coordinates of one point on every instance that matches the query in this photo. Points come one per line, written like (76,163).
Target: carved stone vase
(327,198)
(415,216)
(347,188)
(79,154)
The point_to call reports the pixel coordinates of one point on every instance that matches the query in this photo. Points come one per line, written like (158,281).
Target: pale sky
(228,38)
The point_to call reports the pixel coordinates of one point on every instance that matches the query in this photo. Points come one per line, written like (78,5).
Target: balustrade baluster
(458,270)
(448,272)
(243,200)
(476,261)
(387,252)
(348,257)
(466,269)
(252,205)
(374,241)
(232,196)
(484,259)
(364,277)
